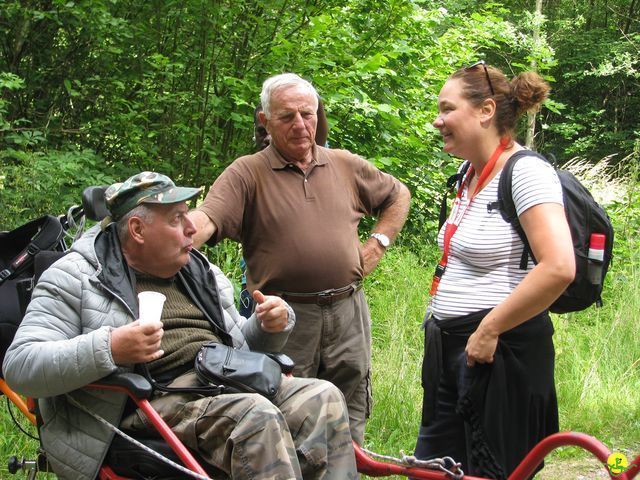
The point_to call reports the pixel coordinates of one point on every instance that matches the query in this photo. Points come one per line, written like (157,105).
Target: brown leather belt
(325,297)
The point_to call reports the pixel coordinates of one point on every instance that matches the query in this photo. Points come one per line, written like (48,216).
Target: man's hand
(136,343)
(389,222)
(372,252)
(271,312)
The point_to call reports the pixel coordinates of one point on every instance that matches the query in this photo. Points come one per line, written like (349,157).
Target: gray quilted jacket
(63,343)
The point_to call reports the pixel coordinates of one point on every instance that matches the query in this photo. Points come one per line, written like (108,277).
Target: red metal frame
(633,470)
(524,470)
(375,468)
(174,442)
(106,473)
(365,463)
(542,449)
(17,400)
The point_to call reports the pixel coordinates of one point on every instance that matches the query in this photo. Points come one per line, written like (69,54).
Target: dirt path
(588,468)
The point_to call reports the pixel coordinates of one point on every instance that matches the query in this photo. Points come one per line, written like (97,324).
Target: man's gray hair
(283,80)
(142,211)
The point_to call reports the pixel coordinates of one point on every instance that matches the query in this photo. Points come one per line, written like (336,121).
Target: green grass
(397,293)
(598,364)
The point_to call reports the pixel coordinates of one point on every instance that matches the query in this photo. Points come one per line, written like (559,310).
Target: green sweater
(185,326)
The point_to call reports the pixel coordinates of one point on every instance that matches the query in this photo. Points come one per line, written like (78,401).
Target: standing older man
(296,206)
(262,139)
(81,326)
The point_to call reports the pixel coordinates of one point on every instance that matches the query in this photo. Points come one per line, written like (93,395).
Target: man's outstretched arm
(206,228)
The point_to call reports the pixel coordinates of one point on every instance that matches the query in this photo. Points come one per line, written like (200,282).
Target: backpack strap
(49,233)
(453,181)
(505,202)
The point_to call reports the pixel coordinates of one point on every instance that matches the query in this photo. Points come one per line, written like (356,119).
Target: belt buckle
(325,298)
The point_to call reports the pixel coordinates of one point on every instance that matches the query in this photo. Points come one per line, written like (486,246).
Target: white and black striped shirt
(484,259)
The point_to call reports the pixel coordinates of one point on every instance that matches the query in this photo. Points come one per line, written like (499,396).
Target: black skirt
(498,411)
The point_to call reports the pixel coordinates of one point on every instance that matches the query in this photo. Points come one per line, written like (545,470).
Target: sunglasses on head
(486,72)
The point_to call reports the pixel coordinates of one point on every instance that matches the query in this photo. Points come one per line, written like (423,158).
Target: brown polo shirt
(299,230)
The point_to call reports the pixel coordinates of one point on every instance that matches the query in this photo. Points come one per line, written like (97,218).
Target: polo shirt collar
(278,162)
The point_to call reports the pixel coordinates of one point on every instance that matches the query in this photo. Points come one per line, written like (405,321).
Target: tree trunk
(531,115)
(630,17)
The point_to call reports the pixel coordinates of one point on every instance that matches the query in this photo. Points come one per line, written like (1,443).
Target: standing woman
(489,393)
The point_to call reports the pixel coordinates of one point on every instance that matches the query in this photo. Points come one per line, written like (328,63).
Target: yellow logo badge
(617,464)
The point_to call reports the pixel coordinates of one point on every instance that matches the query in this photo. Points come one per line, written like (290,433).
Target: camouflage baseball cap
(145,187)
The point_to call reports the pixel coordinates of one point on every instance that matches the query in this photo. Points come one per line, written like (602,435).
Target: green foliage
(34,184)
(171,86)
(227,256)
(92,91)
(598,81)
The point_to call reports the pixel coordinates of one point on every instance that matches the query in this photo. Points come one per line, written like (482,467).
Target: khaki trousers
(333,342)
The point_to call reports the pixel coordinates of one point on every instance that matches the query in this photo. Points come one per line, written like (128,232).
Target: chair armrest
(132,383)
(285,362)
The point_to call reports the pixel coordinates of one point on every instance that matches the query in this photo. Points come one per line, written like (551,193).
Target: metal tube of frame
(17,401)
(542,449)
(174,442)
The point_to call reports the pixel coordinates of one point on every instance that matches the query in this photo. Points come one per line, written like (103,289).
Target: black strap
(453,181)
(204,390)
(48,232)
(506,206)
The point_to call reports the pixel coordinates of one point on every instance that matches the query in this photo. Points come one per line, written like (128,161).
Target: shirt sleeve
(534,182)
(225,203)
(376,189)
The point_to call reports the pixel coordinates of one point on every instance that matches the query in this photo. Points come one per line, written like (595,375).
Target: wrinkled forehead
(168,209)
(293,97)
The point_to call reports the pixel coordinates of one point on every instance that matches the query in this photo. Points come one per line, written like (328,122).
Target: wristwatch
(382,239)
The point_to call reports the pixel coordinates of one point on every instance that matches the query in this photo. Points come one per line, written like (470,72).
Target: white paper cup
(150,306)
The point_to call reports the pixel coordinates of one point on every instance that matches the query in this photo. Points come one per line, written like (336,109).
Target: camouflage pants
(304,433)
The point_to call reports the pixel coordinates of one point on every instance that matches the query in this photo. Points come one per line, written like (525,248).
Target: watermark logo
(617,464)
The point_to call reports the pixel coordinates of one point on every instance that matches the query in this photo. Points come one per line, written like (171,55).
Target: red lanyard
(457,212)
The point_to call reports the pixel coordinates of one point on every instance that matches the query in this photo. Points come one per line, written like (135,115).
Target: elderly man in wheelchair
(82,325)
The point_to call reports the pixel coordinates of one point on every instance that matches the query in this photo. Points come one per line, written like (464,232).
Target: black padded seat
(130,461)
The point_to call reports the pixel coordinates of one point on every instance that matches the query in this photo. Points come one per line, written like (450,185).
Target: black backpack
(20,251)
(584,216)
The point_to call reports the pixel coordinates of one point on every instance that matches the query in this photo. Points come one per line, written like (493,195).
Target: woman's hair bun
(528,91)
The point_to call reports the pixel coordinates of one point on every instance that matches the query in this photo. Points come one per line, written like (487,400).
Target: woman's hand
(542,285)
(481,346)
